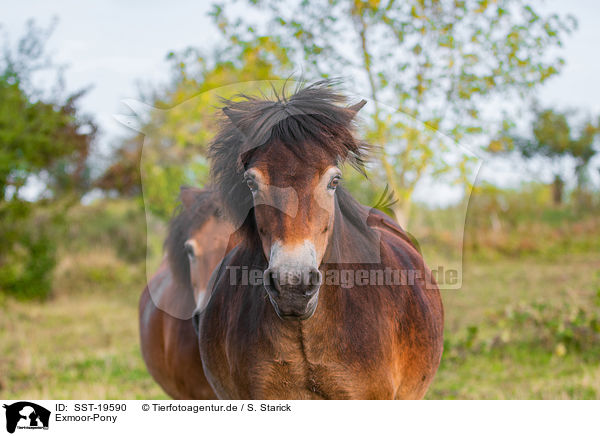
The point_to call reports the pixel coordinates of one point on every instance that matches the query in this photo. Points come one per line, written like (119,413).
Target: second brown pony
(196,243)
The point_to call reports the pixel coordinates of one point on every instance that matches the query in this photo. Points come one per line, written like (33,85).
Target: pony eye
(189,251)
(252,185)
(334,182)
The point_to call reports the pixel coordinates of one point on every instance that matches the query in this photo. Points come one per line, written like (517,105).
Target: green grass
(517,372)
(82,346)
(522,366)
(84,343)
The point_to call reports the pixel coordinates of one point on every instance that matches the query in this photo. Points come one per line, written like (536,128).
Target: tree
(123,175)
(177,122)
(41,139)
(554,139)
(438,62)
(583,150)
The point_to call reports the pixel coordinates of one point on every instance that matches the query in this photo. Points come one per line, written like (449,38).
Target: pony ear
(235,118)
(229,113)
(356,107)
(232,116)
(189,195)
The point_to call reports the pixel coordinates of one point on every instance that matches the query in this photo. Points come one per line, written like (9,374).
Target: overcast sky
(113,45)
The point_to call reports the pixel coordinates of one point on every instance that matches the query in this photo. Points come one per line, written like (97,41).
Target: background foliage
(45,141)
(436,74)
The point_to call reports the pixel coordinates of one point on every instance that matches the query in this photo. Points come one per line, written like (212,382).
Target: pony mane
(185,221)
(315,113)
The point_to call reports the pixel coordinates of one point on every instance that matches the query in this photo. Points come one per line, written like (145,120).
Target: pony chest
(300,369)
(291,376)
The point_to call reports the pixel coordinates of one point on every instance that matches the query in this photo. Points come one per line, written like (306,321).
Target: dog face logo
(26,415)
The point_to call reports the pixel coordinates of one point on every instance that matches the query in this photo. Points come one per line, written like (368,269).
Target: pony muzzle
(293,292)
(292,280)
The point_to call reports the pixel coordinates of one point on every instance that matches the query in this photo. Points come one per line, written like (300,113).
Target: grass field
(502,360)
(83,344)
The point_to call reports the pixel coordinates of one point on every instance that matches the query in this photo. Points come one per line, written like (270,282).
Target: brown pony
(298,331)
(196,243)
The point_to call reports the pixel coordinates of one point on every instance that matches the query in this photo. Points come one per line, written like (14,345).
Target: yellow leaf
(560,349)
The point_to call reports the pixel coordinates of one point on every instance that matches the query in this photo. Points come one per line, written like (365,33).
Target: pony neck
(352,239)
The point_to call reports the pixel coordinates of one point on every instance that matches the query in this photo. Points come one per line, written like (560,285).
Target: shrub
(556,329)
(29,252)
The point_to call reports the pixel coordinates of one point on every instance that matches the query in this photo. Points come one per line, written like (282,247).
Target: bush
(119,225)
(29,252)
(39,236)
(510,223)
(555,329)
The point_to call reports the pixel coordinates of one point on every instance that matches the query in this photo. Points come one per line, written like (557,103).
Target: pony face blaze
(294,214)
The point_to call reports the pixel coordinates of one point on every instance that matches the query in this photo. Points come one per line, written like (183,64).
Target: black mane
(184,222)
(316,114)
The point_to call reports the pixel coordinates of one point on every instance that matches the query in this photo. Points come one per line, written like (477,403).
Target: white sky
(113,45)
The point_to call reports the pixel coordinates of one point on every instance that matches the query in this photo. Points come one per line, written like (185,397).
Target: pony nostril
(189,250)
(292,283)
(315,277)
(196,321)
(270,282)
(314,282)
